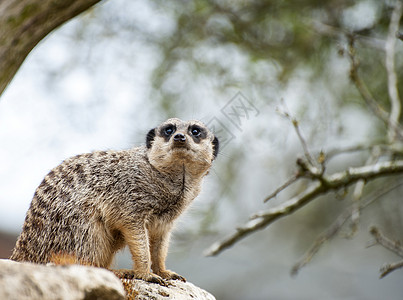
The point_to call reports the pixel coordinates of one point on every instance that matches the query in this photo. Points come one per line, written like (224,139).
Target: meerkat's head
(176,144)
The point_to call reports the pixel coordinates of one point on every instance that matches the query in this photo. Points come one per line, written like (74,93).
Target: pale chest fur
(174,196)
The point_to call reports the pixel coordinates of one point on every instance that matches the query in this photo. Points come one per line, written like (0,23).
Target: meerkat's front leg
(136,238)
(159,241)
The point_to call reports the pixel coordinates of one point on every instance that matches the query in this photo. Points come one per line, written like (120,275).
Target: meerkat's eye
(169,130)
(195,131)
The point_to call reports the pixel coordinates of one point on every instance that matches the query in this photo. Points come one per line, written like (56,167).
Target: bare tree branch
(338,33)
(389,244)
(323,184)
(390,69)
(358,190)
(324,237)
(304,145)
(360,85)
(334,229)
(366,95)
(282,187)
(394,246)
(286,113)
(23,23)
(355,210)
(388,268)
(259,222)
(395,148)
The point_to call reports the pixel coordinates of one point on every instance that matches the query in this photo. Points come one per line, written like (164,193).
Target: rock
(175,289)
(33,281)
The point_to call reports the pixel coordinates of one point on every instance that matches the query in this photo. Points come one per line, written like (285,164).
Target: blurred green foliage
(289,34)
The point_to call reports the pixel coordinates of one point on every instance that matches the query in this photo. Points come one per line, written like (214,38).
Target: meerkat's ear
(150,138)
(216,146)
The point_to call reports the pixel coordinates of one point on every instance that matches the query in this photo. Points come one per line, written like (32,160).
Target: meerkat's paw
(132,274)
(151,277)
(167,274)
(123,273)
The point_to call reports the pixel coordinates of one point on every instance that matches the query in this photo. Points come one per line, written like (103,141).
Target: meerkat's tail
(62,259)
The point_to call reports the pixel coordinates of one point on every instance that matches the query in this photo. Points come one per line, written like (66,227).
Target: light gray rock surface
(31,281)
(175,289)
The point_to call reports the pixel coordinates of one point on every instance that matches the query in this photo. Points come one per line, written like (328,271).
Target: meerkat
(94,204)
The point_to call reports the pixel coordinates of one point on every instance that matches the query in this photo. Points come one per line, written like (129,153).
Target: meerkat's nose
(180,138)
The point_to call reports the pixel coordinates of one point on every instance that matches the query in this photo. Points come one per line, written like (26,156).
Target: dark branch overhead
(24,23)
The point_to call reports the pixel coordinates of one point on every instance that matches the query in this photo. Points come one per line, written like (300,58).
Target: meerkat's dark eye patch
(167,131)
(197,132)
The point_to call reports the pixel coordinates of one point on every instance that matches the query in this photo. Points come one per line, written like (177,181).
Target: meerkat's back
(65,215)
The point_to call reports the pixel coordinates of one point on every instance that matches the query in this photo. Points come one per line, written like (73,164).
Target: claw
(178,277)
(132,274)
(171,275)
(156,279)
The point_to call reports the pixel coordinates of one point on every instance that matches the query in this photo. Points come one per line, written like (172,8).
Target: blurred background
(105,78)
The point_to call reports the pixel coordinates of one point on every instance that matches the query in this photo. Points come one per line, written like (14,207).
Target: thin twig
(390,69)
(360,85)
(282,187)
(324,185)
(388,268)
(302,140)
(389,244)
(331,153)
(339,33)
(324,237)
(355,210)
(366,94)
(358,190)
(286,113)
(394,246)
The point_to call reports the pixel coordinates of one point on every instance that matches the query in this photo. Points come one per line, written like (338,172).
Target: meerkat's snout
(179,140)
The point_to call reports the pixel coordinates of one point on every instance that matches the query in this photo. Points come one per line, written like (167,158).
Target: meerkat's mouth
(182,149)
(180,143)
(179,147)
(184,152)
